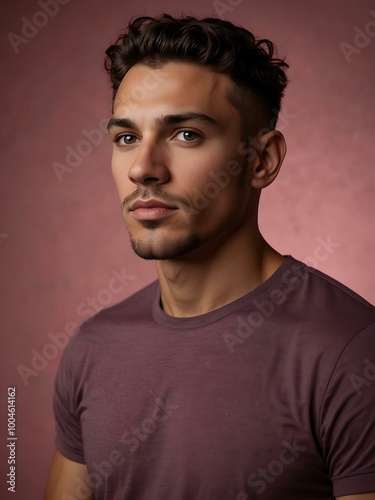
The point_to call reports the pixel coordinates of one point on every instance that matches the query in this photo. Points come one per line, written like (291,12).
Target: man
(241,373)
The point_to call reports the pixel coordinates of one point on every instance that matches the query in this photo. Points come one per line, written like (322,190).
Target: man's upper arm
(67,478)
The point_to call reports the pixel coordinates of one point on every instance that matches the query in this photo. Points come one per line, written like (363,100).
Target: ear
(271,150)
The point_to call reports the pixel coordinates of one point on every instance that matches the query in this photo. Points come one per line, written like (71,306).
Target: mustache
(145,194)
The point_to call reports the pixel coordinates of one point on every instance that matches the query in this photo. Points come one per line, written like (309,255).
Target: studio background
(62,238)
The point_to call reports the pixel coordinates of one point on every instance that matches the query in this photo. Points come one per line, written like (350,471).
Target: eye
(125,139)
(188,136)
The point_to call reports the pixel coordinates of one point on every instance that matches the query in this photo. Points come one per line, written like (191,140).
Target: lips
(150,204)
(151,210)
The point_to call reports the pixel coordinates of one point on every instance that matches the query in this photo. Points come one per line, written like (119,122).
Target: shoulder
(136,307)
(322,298)
(322,317)
(114,323)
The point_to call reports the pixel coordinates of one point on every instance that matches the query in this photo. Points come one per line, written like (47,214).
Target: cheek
(192,183)
(196,169)
(115,168)
(120,176)
(212,176)
(218,199)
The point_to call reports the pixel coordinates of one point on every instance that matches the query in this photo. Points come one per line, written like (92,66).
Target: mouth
(151,210)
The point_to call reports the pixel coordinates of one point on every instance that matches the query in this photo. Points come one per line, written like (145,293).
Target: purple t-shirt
(269,397)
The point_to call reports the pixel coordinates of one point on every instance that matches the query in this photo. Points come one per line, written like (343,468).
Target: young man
(240,373)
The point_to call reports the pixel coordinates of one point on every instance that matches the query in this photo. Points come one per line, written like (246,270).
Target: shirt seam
(335,478)
(184,328)
(340,286)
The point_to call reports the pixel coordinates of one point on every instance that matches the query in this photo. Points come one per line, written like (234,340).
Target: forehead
(174,86)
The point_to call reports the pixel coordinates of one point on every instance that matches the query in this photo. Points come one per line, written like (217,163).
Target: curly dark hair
(258,77)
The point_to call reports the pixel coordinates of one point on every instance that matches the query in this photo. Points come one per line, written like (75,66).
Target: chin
(165,248)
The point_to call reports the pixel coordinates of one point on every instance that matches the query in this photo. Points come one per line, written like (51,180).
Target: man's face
(183,183)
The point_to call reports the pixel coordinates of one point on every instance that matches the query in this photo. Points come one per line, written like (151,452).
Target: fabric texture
(271,396)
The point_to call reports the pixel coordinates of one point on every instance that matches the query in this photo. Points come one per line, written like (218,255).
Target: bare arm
(67,478)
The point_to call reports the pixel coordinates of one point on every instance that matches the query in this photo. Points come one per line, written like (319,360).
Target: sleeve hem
(354,485)
(69,453)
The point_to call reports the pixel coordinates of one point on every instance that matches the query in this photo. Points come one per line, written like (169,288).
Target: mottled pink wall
(62,242)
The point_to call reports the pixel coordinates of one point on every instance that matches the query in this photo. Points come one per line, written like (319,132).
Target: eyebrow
(164,120)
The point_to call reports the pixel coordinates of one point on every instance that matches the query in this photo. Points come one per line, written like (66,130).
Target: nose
(149,165)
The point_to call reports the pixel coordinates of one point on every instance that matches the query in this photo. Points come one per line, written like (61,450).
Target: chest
(233,424)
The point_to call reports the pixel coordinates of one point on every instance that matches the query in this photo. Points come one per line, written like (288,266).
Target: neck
(216,274)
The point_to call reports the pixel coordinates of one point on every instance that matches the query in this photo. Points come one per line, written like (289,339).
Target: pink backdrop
(61,243)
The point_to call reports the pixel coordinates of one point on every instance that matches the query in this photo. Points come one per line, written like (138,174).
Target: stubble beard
(171,248)
(165,249)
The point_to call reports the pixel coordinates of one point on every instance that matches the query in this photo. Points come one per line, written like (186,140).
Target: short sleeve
(347,418)
(68,429)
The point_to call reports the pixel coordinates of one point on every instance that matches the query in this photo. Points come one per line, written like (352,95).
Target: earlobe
(271,153)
